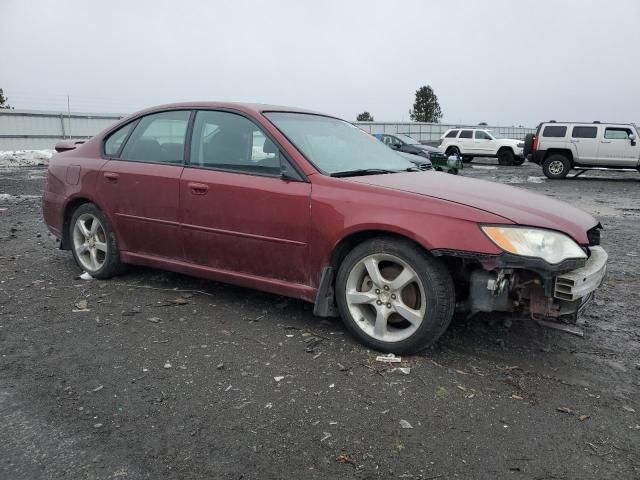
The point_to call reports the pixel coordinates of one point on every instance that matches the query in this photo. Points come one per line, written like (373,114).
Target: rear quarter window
(554,131)
(452,134)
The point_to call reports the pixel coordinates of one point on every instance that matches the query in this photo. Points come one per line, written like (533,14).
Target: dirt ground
(163,376)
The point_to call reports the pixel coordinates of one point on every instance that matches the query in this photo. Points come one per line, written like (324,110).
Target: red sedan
(307,205)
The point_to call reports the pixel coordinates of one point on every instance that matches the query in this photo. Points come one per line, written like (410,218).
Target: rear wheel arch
(69,209)
(559,151)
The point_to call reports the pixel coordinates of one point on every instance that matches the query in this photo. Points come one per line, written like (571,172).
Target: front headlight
(552,247)
(520,144)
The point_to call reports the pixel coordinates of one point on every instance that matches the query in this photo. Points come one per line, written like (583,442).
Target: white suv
(477,142)
(561,146)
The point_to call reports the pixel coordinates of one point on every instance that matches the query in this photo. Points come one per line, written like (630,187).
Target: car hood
(426,148)
(514,204)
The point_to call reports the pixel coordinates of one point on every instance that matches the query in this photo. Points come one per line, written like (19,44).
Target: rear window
(554,131)
(584,132)
(452,134)
(465,134)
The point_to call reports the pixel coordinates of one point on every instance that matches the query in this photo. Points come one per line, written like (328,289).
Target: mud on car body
(306,205)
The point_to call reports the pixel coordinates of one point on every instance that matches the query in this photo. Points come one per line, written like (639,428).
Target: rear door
(586,139)
(140,184)
(616,148)
(239,215)
(465,141)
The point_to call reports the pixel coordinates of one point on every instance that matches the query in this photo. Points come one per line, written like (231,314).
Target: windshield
(334,145)
(494,135)
(408,140)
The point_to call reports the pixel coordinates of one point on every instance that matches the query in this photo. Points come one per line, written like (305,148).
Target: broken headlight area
(506,284)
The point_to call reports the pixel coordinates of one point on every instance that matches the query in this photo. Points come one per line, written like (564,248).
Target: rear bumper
(537,157)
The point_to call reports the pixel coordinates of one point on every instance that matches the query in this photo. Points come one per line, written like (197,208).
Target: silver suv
(562,146)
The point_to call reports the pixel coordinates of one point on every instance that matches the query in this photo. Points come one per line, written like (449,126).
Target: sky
(496,61)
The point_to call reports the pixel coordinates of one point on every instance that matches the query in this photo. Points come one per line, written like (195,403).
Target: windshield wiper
(362,171)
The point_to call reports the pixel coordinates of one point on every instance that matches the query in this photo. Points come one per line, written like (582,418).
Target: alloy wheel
(386,297)
(90,242)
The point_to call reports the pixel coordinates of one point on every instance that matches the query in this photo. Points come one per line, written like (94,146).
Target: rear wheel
(93,242)
(556,166)
(505,157)
(393,296)
(453,171)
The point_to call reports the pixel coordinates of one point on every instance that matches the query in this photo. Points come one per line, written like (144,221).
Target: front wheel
(518,161)
(393,296)
(93,242)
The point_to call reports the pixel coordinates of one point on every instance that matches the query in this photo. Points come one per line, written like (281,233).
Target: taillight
(535,143)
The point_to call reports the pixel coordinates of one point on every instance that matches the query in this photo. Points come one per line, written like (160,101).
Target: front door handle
(198,188)
(111,177)
(604,141)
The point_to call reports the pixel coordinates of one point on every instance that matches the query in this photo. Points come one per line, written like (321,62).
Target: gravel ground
(159,375)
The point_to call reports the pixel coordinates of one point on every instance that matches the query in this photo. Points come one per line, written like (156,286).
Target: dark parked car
(307,205)
(407,144)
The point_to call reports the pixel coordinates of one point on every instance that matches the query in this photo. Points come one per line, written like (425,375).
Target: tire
(93,243)
(518,161)
(556,166)
(467,159)
(453,171)
(528,144)
(452,151)
(427,298)
(505,157)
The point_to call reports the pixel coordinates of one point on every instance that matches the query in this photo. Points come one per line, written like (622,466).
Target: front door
(140,185)
(483,143)
(617,149)
(239,215)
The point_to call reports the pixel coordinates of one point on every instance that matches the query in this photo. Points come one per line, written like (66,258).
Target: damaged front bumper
(543,292)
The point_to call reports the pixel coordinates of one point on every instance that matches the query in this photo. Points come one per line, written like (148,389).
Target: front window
(611,133)
(334,145)
(482,135)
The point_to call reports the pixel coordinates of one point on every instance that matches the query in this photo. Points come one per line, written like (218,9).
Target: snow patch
(25,158)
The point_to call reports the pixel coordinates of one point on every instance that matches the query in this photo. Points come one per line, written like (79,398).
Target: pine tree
(364,117)
(4,100)
(426,107)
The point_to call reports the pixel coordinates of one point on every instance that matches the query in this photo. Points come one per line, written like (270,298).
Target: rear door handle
(111,177)
(198,188)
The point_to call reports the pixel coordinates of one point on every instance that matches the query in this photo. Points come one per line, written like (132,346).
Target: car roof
(553,122)
(251,108)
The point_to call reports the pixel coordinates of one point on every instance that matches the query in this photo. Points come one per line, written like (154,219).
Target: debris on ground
(86,276)
(405,424)
(81,306)
(98,388)
(167,365)
(388,358)
(565,410)
(342,368)
(627,408)
(347,459)
(582,418)
(402,370)
(180,301)
(312,342)
(278,379)
(220,366)
(326,436)
(572,329)
(153,320)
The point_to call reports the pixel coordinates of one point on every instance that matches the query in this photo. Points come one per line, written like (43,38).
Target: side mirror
(395,146)
(632,138)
